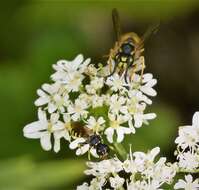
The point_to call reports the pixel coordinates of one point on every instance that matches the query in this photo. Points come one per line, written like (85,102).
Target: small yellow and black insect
(128,48)
(94,140)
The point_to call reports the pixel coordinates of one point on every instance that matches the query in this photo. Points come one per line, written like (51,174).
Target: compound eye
(127,48)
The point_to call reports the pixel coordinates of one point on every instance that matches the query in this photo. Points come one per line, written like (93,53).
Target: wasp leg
(142,71)
(125,75)
(114,69)
(127,68)
(110,65)
(133,72)
(110,59)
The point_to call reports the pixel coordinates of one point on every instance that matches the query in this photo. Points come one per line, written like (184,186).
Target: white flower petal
(189,178)
(126,130)
(34,127)
(78,59)
(101,120)
(180,184)
(41,93)
(52,107)
(154,152)
(54,118)
(124,109)
(42,115)
(120,135)
(57,145)
(66,118)
(41,101)
(149,116)
(94,153)
(84,186)
(35,135)
(146,99)
(47,88)
(109,134)
(62,134)
(130,123)
(151,83)
(58,126)
(76,142)
(66,135)
(82,150)
(195,120)
(138,120)
(147,77)
(75,116)
(45,141)
(148,90)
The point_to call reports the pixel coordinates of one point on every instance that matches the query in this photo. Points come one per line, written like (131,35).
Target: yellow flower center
(115,124)
(68,126)
(49,128)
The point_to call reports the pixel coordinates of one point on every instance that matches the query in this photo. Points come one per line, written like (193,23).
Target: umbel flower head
(94,113)
(117,174)
(80,94)
(188,184)
(142,171)
(188,145)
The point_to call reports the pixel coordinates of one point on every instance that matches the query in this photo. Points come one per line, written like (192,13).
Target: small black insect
(96,142)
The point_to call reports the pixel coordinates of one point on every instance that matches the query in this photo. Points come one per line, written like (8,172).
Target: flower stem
(188,171)
(120,150)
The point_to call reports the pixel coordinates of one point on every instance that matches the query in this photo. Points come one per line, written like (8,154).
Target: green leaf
(24,173)
(160,131)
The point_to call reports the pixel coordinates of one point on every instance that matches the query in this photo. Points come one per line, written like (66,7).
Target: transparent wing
(151,30)
(116,23)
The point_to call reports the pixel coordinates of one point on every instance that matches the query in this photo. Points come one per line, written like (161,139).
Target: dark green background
(35,34)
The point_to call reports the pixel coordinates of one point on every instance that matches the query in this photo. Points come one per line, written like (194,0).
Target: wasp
(94,140)
(126,56)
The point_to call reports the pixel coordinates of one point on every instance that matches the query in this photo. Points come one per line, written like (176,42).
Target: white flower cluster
(84,107)
(127,103)
(188,184)
(188,154)
(188,145)
(139,172)
(54,103)
(75,94)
